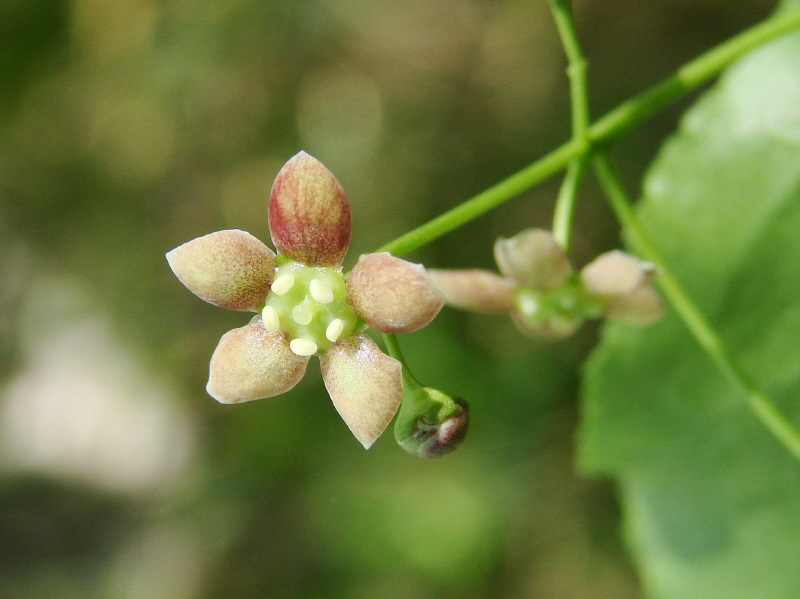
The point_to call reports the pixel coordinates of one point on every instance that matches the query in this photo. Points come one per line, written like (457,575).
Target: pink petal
(533,259)
(392,295)
(365,384)
(309,215)
(476,290)
(252,362)
(231,269)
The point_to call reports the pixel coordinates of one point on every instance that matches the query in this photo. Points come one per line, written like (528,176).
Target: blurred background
(128,127)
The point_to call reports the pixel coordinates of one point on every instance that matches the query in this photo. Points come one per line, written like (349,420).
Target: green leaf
(711,499)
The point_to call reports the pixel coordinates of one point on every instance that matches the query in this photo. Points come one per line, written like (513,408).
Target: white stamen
(303,347)
(334,329)
(283,284)
(527,304)
(320,291)
(301,314)
(269,316)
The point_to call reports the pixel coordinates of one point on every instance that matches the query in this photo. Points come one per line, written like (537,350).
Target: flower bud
(430,423)
(615,273)
(533,259)
(622,283)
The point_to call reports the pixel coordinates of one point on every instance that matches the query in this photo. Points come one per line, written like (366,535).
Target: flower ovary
(310,304)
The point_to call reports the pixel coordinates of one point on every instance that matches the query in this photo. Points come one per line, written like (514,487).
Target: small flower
(305,305)
(542,293)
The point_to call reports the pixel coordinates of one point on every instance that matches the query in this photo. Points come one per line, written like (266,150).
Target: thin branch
(579,100)
(619,120)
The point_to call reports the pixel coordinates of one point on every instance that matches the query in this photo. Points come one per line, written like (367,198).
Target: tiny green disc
(310,304)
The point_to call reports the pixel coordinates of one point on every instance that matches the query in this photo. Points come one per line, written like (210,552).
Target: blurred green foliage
(128,127)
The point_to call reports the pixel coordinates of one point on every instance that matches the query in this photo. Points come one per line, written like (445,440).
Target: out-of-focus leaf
(712,500)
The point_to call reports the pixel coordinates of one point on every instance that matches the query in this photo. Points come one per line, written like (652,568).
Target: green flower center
(310,304)
(559,309)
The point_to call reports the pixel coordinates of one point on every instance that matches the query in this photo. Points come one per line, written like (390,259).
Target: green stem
(410,382)
(576,68)
(565,204)
(694,320)
(579,100)
(687,78)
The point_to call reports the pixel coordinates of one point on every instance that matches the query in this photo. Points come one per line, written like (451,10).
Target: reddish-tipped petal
(533,259)
(476,290)
(252,362)
(392,295)
(365,384)
(309,215)
(231,269)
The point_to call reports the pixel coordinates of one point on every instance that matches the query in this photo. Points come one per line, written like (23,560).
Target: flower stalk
(579,100)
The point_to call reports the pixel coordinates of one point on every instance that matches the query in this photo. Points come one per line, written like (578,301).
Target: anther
(320,291)
(301,314)
(527,305)
(334,330)
(283,284)
(303,347)
(269,316)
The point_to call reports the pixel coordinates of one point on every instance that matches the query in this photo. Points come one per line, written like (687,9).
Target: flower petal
(365,384)
(555,326)
(476,290)
(533,259)
(231,269)
(252,362)
(392,295)
(640,307)
(614,273)
(309,215)
(623,282)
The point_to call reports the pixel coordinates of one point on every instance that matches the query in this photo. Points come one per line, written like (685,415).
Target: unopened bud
(615,273)
(622,283)
(533,259)
(431,423)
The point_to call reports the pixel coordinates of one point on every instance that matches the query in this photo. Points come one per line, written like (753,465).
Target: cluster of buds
(544,295)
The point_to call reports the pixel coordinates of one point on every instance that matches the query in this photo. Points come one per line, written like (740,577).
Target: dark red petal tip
(309,215)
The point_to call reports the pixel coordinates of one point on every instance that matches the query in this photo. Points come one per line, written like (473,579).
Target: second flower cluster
(544,295)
